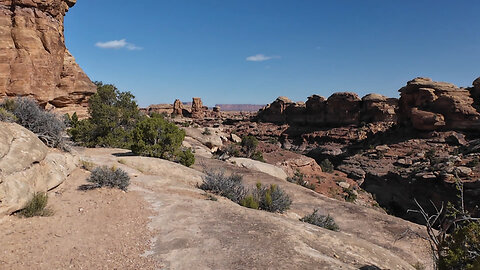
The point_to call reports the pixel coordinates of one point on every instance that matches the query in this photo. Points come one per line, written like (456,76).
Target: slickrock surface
(110,229)
(27,166)
(34,60)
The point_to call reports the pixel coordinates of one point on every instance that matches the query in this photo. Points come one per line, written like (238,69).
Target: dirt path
(95,229)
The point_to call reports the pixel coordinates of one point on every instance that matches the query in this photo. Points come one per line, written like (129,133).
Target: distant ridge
(240,107)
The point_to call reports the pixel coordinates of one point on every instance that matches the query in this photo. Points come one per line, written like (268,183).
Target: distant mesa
(424,104)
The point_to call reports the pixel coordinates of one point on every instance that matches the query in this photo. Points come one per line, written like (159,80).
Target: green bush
(326,166)
(6,116)
(298,178)
(207,132)
(250,202)
(350,196)
(186,157)
(258,156)
(156,137)
(113,115)
(319,220)
(461,249)
(37,206)
(249,144)
(109,177)
(272,199)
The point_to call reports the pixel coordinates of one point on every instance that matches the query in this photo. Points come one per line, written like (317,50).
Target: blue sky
(252,51)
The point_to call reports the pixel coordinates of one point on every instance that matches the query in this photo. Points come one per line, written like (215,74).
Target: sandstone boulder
(34,59)
(27,166)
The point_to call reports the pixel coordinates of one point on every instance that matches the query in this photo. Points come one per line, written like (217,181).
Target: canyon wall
(34,61)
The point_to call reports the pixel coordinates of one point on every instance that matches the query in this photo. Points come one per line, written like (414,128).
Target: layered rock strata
(33,58)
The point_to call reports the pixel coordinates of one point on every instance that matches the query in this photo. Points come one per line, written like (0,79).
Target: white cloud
(118,44)
(260,58)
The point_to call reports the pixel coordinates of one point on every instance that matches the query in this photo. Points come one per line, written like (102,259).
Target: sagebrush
(324,221)
(109,177)
(46,125)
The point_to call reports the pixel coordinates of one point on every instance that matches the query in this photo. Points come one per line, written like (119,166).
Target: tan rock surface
(34,60)
(223,235)
(27,166)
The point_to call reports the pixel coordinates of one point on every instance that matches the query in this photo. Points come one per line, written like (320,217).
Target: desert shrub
(298,178)
(46,125)
(272,199)
(453,234)
(326,166)
(6,116)
(113,115)
(232,150)
(350,196)
(230,187)
(462,248)
(156,137)
(250,202)
(186,157)
(109,177)
(258,156)
(249,144)
(319,220)
(207,132)
(37,206)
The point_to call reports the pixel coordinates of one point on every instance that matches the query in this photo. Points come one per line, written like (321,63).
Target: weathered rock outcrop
(27,166)
(198,111)
(34,59)
(429,105)
(177,107)
(340,109)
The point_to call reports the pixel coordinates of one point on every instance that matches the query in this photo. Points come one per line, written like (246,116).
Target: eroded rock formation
(340,109)
(198,111)
(34,59)
(430,105)
(177,107)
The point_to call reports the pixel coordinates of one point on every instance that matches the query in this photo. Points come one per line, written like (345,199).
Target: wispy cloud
(118,44)
(261,58)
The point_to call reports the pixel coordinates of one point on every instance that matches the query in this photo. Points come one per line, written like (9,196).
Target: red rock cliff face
(33,58)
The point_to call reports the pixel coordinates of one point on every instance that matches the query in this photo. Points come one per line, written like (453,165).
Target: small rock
(344,185)
(463,171)
(235,138)
(382,148)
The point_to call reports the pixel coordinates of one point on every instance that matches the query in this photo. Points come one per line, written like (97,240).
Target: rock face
(27,166)
(34,59)
(177,107)
(429,105)
(340,109)
(198,111)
